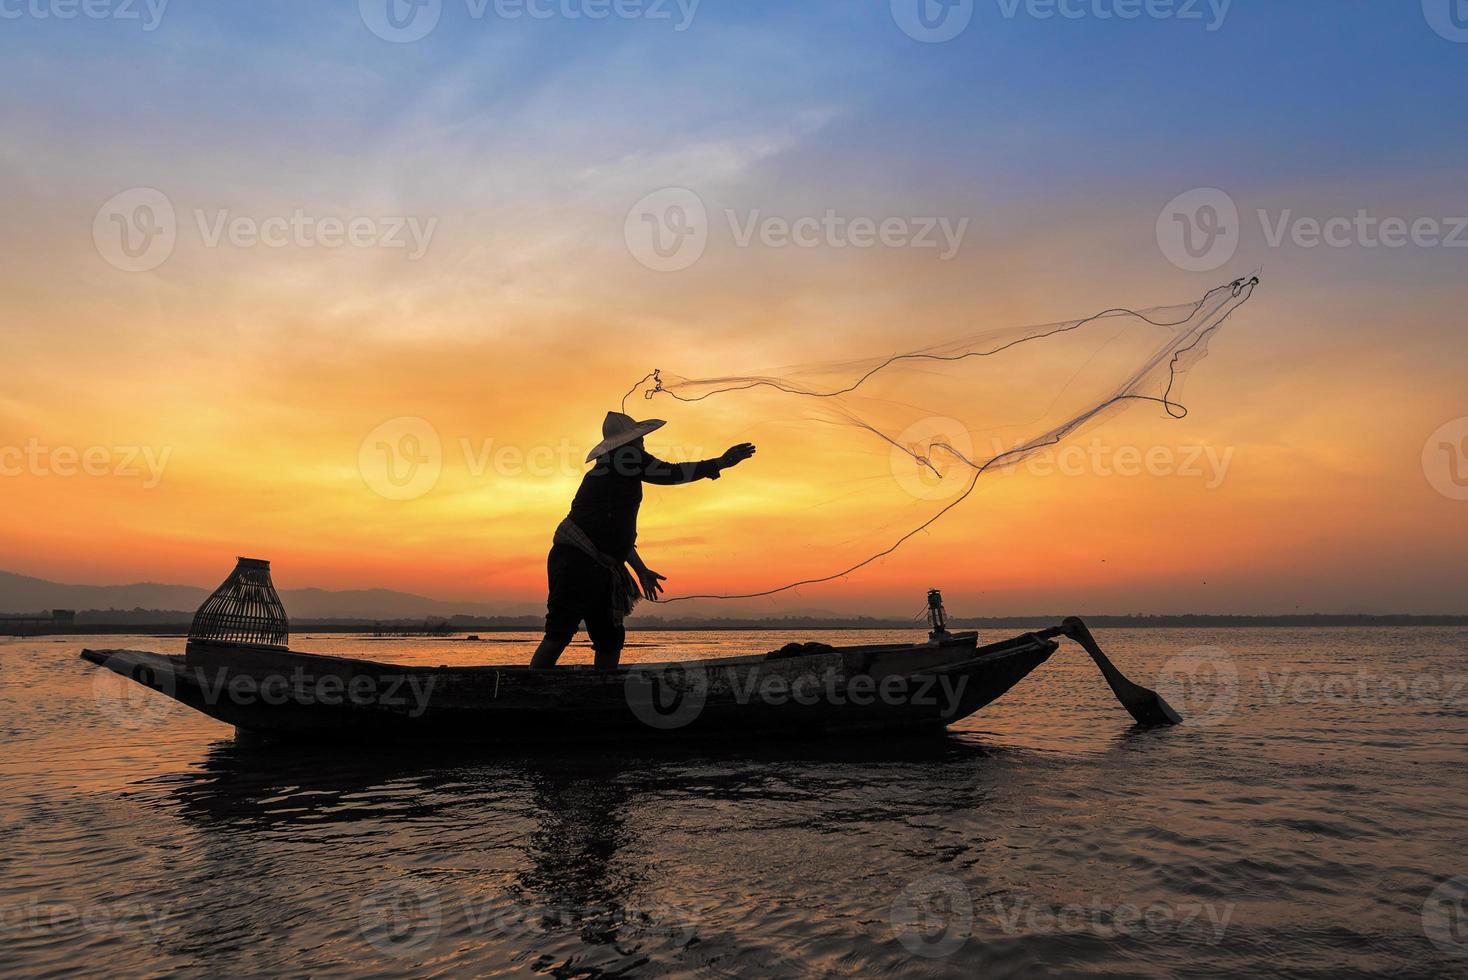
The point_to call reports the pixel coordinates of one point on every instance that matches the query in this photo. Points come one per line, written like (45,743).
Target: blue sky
(1315,80)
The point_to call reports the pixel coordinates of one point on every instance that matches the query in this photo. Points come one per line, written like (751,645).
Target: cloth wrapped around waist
(623,595)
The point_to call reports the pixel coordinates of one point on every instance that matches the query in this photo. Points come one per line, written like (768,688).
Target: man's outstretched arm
(671,474)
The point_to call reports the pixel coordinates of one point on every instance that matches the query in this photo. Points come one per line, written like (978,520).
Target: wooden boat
(801,690)
(238,668)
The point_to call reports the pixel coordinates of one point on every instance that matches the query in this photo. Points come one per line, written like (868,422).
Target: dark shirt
(606,504)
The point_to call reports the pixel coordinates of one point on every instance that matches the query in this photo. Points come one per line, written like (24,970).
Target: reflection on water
(567,850)
(1283,831)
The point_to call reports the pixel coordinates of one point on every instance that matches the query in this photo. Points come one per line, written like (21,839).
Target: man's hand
(650,581)
(735,455)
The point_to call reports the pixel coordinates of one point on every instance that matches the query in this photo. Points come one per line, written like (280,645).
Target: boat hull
(811,692)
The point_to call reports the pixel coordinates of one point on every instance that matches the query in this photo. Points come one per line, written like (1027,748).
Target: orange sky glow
(254,411)
(235,399)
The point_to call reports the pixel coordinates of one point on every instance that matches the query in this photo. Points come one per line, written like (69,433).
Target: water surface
(1307,821)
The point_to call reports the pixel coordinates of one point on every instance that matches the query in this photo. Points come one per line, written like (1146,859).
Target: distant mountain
(23,594)
(387,604)
(151,603)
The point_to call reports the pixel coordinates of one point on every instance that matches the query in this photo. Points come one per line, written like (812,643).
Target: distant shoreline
(455,627)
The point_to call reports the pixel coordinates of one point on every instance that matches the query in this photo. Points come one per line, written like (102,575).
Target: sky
(350,286)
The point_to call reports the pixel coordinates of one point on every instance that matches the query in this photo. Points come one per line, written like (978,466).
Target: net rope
(1177,338)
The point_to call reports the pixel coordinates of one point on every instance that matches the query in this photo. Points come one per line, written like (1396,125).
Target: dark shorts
(580,590)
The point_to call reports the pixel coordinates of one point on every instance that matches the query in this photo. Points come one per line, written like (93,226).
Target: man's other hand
(651,582)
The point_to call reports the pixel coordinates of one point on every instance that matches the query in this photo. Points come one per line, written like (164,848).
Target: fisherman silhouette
(592,547)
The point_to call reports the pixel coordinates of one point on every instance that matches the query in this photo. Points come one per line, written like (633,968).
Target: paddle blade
(1145,705)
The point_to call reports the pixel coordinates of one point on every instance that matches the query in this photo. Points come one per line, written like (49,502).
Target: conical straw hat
(618,430)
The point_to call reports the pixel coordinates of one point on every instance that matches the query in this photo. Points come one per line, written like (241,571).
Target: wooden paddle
(1146,706)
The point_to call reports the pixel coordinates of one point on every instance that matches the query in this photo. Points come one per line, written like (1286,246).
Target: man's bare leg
(608,636)
(550,650)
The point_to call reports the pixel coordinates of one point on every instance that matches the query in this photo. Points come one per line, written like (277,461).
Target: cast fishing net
(858,457)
